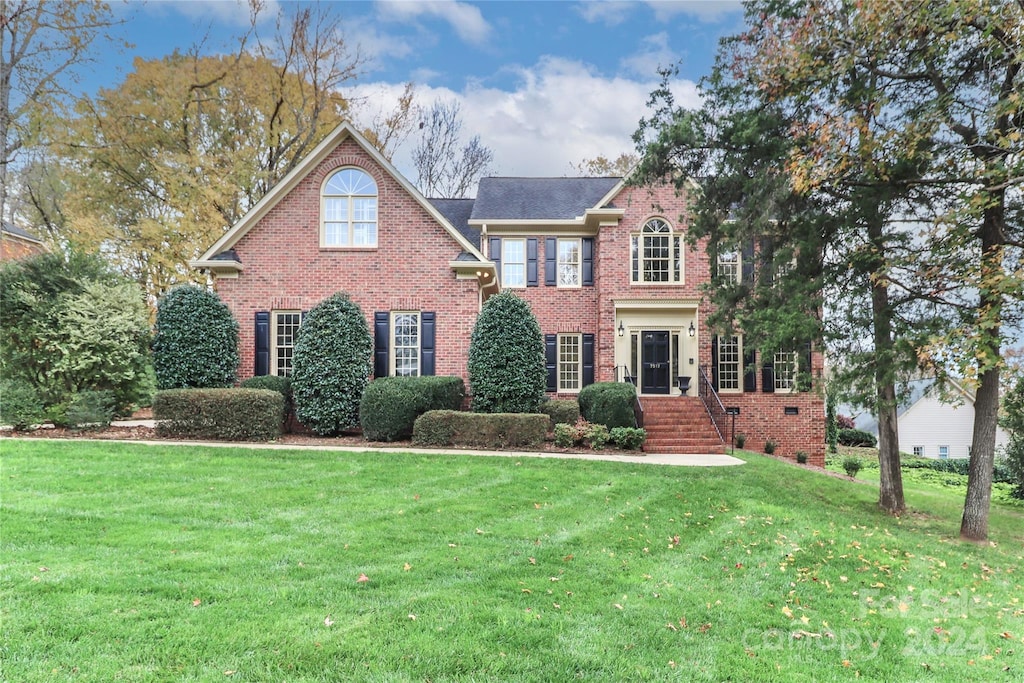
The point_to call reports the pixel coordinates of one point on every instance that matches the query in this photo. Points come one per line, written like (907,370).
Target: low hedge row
(857,437)
(232,414)
(480,430)
(561,411)
(390,405)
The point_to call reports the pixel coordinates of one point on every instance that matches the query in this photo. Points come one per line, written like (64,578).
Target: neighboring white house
(933,426)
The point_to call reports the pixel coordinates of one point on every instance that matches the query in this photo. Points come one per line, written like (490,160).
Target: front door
(654,377)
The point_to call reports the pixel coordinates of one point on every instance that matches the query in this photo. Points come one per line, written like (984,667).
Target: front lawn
(146,563)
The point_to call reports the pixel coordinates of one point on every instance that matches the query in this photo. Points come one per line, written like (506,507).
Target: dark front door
(654,360)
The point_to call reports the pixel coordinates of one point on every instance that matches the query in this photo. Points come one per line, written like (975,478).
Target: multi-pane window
(730,369)
(568,263)
(286,328)
(405,331)
(513,263)
(729,265)
(918,451)
(943,452)
(656,254)
(785,366)
(570,362)
(349,210)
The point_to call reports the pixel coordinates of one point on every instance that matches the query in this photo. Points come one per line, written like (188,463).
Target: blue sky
(544,84)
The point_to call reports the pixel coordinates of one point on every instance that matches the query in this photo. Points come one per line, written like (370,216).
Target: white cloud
(705,10)
(374,45)
(607,12)
(654,53)
(466,20)
(230,12)
(560,112)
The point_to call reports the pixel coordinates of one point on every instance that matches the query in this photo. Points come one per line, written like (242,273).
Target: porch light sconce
(622,330)
(693,330)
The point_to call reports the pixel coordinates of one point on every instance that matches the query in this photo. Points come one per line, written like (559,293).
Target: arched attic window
(348,210)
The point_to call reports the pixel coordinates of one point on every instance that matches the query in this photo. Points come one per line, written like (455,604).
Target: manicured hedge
(232,414)
(561,411)
(609,404)
(480,430)
(857,437)
(390,405)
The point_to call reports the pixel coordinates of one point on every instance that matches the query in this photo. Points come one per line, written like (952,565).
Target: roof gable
(213,258)
(531,199)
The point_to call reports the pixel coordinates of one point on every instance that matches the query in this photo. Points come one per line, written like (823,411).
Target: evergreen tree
(506,357)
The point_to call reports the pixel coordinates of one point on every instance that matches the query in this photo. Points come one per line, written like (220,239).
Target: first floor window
(918,451)
(943,452)
(785,366)
(286,328)
(568,263)
(570,362)
(405,329)
(729,363)
(513,263)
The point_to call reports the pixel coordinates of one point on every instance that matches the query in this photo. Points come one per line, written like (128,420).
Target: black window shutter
(381,339)
(427,324)
(768,375)
(495,252)
(588,359)
(766,245)
(749,370)
(531,262)
(551,360)
(262,343)
(588,261)
(747,262)
(805,368)
(714,362)
(550,261)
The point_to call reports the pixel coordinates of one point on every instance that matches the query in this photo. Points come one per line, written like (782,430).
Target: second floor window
(656,254)
(568,263)
(349,210)
(513,263)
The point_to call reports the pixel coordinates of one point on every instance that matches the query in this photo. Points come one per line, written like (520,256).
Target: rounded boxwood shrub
(390,405)
(506,357)
(856,437)
(331,366)
(196,341)
(608,403)
(561,411)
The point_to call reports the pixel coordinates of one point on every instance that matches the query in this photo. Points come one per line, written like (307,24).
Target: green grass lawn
(125,562)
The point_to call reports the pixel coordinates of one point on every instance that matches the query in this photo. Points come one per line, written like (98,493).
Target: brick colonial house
(604,266)
(16,243)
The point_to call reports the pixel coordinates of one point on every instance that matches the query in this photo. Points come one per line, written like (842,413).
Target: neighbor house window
(785,365)
(513,263)
(286,328)
(943,452)
(656,254)
(730,369)
(568,263)
(405,344)
(918,451)
(349,210)
(570,362)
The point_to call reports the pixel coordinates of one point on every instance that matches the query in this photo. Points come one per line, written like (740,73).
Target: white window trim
(578,264)
(738,275)
(562,389)
(918,451)
(351,219)
(505,262)
(393,344)
(636,245)
(785,384)
(943,452)
(739,366)
(274,346)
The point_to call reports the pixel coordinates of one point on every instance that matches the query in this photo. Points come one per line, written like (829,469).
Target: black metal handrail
(713,404)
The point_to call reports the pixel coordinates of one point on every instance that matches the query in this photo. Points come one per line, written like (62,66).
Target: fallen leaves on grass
(363,578)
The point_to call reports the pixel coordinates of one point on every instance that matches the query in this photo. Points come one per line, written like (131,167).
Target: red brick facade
(414,267)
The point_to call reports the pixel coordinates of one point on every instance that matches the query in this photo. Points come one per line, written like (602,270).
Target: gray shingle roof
(538,198)
(458,211)
(12,229)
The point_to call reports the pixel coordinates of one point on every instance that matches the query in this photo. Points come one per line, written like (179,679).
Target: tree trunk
(974,524)
(890,490)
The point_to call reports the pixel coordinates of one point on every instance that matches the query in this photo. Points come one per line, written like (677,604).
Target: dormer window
(349,210)
(656,254)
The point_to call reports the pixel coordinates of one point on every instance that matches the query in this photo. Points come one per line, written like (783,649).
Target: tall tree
(42,46)
(621,165)
(446,167)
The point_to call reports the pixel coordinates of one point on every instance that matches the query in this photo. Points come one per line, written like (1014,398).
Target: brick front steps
(679,424)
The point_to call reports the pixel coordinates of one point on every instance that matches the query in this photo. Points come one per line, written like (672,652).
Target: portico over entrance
(656,345)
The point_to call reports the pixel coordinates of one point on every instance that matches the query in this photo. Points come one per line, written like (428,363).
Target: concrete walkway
(675,460)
